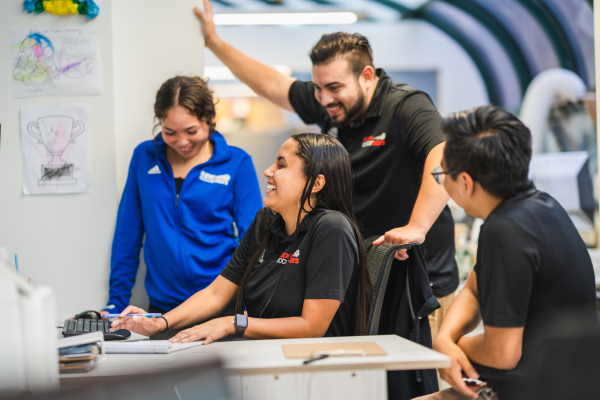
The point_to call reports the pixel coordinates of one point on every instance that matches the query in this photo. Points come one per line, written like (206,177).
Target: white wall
(404,45)
(61,240)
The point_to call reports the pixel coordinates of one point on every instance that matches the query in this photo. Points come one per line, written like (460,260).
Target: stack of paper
(78,353)
(146,346)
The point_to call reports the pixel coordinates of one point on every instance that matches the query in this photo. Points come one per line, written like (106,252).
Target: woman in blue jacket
(188,198)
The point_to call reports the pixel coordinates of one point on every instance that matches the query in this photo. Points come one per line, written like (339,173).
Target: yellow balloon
(60,7)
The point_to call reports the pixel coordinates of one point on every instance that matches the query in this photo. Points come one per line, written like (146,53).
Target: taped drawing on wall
(56,62)
(54,141)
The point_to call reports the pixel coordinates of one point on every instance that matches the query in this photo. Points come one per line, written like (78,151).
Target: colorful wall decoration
(62,7)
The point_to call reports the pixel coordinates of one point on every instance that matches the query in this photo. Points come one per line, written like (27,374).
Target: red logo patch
(373,141)
(287,258)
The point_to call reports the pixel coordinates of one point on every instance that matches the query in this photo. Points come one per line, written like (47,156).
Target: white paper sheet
(54,144)
(145,346)
(55,62)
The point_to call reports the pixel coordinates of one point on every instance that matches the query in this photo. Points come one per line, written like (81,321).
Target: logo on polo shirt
(210,178)
(287,258)
(373,141)
(154,170)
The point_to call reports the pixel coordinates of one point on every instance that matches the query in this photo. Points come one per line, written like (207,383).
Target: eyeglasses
(438,174)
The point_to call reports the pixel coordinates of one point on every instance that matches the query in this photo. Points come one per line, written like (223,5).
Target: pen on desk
(315,358)
(147,315)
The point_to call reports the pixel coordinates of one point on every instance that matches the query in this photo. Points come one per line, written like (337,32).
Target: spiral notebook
(145,347)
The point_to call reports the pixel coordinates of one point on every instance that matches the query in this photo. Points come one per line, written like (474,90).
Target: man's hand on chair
(402,235)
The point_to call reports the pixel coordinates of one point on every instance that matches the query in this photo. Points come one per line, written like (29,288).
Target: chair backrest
(379,263)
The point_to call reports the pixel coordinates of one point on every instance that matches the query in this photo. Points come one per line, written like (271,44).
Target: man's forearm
(263,79)
(463,315)
(432,198)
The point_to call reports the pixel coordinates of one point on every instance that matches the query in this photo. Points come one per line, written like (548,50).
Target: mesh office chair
(379,263)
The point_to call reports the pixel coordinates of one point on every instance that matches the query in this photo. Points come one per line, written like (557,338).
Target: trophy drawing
(56,133)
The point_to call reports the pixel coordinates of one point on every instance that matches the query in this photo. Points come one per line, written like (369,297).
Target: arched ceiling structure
(510,41)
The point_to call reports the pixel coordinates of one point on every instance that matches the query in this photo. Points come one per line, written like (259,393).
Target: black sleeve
(302,98)
(422,124)
(234,271)
(332,259)
(507,259)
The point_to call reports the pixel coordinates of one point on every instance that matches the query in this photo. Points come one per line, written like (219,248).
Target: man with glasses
(532,266)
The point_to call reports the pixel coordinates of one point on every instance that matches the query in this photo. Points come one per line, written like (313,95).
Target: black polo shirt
(532,269)
(318,261)
(388,148)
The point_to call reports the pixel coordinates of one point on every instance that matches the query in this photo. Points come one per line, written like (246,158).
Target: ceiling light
(289,18)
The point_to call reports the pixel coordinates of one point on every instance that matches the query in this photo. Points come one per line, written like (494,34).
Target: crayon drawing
(56,63)
(54,145)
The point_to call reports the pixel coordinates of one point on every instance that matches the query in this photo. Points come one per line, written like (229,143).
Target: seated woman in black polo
(299,270)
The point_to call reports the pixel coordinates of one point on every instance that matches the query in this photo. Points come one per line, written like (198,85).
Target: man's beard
(352,114)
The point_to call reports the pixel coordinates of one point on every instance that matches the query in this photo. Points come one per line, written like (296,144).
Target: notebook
(145,347)
(70,341)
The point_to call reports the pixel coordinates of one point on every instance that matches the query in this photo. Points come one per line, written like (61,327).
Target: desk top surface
(266,356)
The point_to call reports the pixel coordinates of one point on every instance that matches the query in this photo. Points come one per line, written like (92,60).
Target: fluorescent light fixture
(288,18)
(222,73)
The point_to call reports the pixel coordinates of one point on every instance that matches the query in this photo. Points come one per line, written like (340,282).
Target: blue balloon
(93,9)
(29,6)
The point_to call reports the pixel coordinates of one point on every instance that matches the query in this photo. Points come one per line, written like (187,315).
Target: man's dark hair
(353,46)
(491,145)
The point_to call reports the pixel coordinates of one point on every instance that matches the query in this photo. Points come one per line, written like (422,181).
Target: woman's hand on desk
(209,331)
(142,325)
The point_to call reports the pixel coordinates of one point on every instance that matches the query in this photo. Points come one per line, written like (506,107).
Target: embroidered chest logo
(154,170)
(373,141)
(287,258)
(210,178)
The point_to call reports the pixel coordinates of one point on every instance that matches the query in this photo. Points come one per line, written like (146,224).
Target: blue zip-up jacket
(187,238)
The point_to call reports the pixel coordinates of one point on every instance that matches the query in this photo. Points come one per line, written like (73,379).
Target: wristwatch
(240,321)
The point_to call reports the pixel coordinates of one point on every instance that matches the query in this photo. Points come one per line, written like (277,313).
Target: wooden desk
(257,369)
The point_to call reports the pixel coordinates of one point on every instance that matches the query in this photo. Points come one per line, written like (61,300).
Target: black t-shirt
(532,268)
(318,261)
(388,148)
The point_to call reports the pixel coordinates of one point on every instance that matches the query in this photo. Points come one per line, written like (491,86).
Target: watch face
(241,320)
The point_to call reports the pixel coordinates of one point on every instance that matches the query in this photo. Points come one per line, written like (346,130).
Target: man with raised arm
(393,135)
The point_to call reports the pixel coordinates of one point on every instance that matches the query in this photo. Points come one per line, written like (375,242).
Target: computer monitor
(28,335)
(566,177)
(201,379)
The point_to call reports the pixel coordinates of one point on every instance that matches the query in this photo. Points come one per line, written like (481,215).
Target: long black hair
(323,155)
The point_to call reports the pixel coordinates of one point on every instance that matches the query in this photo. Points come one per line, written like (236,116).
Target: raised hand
(207,23)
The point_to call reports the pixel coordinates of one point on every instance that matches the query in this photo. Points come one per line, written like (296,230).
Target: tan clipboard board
(307,350)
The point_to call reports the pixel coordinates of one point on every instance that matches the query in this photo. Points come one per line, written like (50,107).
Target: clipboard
(336,349)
